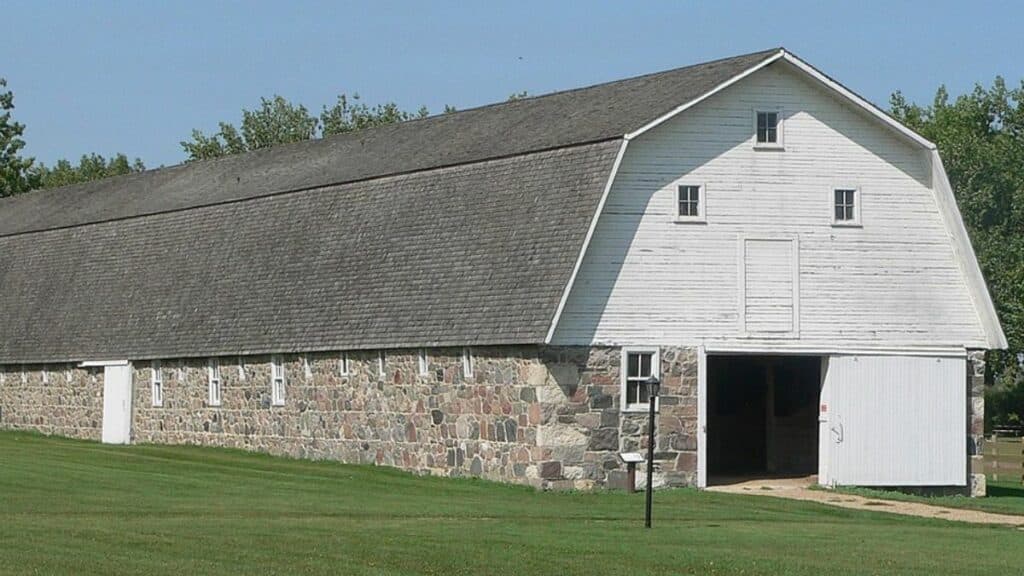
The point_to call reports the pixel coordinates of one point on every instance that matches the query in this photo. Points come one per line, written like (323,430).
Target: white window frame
(277,381)
(69,373)
(344,367)
(307,370)
(701,203)
(467,362)
(156,384)
(655,353)
(45,374)
(24,375)
(381,375)
(241,369)
(857,201)
(780,130)
(424,362)
(214,390)
(182,372)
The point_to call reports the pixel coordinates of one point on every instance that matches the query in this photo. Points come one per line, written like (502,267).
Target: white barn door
(117,404)
(894,421)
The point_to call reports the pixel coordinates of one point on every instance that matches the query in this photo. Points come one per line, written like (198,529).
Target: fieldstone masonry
(976,422)
(545,416)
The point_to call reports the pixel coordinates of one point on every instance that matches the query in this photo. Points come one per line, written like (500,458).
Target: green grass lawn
(1003,498)
(71,507)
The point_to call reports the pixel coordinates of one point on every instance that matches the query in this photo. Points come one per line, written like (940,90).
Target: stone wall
(544,416)
(976,422)
(63,400)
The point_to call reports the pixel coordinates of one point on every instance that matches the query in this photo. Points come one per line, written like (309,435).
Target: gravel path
(799,489)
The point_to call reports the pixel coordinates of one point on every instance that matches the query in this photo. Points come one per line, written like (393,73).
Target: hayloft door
(117,404)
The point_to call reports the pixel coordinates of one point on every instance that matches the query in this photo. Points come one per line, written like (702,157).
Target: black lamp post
(653,387)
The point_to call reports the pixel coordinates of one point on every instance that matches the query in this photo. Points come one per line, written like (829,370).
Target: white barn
(786,257)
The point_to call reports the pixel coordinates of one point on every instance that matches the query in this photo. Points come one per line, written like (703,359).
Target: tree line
(979,134)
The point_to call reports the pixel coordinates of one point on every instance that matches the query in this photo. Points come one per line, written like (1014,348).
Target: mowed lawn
(71,507)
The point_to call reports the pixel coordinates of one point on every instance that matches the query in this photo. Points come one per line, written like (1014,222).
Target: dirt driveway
(799,489)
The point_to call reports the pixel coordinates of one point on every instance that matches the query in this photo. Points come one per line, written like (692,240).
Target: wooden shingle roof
(458,229)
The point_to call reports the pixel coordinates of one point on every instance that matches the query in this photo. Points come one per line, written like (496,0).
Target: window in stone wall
(69,373)
(467,362)
(307,369)
(638,367)
(213,378)
(343,364)
(276,381)
(241,369)
(424,365)
(380,365)
(156,379)
(24,375)
(46,374)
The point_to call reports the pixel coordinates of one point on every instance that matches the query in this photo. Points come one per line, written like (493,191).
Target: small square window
(690,203)
(768,129)
(845,207)
(639,365)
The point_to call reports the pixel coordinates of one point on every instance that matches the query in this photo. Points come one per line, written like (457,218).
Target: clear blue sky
(137,77)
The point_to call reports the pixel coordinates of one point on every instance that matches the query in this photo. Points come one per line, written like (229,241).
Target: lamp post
(653,387)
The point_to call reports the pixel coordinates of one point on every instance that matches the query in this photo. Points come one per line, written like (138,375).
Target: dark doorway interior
(762,415)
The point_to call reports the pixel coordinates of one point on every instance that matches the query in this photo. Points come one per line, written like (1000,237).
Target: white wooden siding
(893,282)
(894,421)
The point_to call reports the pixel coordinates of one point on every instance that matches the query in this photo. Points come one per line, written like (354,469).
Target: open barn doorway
(762,417)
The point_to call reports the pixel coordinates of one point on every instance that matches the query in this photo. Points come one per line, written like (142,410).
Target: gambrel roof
(459,229)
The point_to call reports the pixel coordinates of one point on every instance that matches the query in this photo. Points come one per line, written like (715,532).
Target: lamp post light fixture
(653,387)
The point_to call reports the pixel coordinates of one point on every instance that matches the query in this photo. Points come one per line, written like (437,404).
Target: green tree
(278,121)
(16,174)
(89,167)
(981,138)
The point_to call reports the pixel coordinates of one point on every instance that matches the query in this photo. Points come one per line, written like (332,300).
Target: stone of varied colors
(544,416)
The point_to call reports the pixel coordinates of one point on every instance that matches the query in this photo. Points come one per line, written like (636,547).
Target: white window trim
(381,375)
(277,381)
(156,381)
(307,370)
(780,140)
(241,369)
(344,368)
(24,375)
(45,374)
(858,199)
(424,362)
(467,362)
(702,200)
(69,372)
(624,371)
(214,391)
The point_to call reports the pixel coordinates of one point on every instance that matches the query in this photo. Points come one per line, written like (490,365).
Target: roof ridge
(373,129)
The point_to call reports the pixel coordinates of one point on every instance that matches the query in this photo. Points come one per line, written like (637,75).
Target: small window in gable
(156,378)
(213,375)
(768,128)
(638,367)
(276,381)
(690,203)
(846,207)
(423,363)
